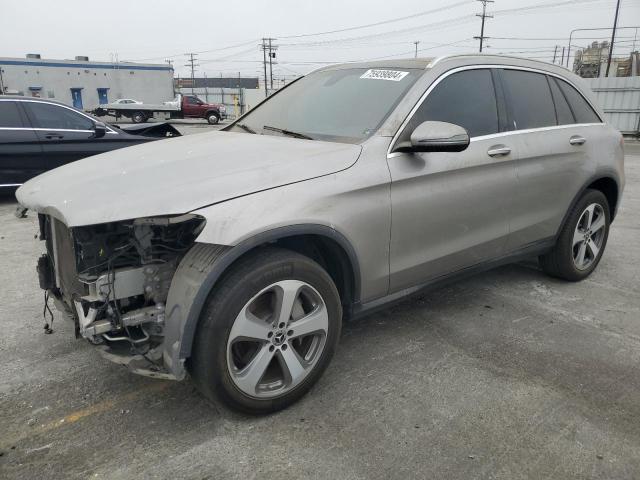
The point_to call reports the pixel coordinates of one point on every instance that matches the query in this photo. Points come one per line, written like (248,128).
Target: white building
(85,84)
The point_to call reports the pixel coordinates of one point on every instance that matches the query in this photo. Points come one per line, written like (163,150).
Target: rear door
(65,134)
(451,210)
(554,139)
(20,152)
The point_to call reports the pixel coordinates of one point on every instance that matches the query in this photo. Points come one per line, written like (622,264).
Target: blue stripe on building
(110,66)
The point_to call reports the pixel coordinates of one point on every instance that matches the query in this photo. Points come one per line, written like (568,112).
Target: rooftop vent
(34,55)
(82,58)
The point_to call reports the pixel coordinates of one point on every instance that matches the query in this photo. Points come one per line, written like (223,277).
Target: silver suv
(236,255)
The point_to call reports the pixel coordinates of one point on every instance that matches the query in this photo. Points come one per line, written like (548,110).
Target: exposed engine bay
(113,279)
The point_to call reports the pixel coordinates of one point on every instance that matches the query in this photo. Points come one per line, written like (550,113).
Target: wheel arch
(212,111)
(608,183)
(205,264)
(609,187)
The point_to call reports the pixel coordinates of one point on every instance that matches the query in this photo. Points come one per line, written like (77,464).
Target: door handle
(577,140)
(498,151)
(53,136)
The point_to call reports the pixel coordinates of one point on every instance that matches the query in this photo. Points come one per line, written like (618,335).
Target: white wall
(145,82)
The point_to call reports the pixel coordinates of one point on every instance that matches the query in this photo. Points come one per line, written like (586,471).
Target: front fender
(198,273)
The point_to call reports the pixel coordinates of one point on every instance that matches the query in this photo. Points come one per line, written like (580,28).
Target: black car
(37,135)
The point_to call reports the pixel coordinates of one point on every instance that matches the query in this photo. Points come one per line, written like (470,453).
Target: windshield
(345,105)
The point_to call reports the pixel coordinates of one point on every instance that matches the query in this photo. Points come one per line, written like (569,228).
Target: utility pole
(416,44)
(206,90)
(264,64)
(1,83)
(272,55)
(191,62)
(483,16)
(268,51)
(613,38)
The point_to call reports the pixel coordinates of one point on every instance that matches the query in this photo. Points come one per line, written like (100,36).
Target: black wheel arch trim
(218,260)
(609,174)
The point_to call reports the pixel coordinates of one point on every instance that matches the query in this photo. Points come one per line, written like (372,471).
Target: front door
(76,97)
(20,152)
(451,210)
(65,135)
(193,107)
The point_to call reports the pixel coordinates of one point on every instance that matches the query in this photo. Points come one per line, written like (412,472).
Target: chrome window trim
(10,185)
(18,100)
(532,130)
(498,134)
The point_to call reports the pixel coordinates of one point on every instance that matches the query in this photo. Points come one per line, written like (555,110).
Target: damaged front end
(113,280)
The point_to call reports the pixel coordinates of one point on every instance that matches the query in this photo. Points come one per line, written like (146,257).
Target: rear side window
(529,99)
(465,98)
(581,109)
(47,115)
(563,111)
(10,115)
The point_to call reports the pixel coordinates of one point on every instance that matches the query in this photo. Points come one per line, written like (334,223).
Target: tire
(213,119)
(227,360)
(139,117)
(573,257)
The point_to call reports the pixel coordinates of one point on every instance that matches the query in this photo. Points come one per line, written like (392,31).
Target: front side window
(529,98)
(580,107)
(343,104)
(464,98)
(47,115)
(10,115)
(193,101)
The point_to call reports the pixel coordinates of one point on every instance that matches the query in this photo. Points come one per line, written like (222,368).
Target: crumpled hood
(178,175)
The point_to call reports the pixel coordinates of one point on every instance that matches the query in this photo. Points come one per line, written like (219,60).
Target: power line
(228,47)
(384,22)
(541,6)
(483,16)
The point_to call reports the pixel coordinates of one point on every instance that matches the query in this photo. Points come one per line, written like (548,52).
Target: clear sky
(154,30)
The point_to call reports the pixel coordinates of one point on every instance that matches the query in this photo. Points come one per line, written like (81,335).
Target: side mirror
(100,129)
(436,137)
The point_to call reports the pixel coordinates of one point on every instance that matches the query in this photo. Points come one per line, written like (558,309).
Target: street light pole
(613,38)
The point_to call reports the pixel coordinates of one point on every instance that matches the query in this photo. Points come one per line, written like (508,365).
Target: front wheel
(267,332)
(582,239)
(212,119)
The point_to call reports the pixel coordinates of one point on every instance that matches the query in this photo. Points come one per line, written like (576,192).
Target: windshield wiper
(288,132)
(244,127)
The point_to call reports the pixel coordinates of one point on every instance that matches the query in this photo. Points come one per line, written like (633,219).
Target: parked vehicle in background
(183,106)
(38,135)
(127,101)
(236,255)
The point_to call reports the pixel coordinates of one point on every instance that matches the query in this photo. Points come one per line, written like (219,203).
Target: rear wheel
(582,240)
(267,332)
(139,117)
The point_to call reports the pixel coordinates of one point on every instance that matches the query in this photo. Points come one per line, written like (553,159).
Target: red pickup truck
(183,106)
